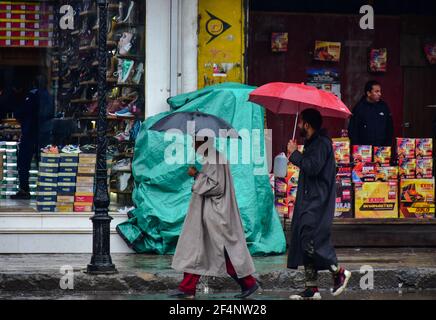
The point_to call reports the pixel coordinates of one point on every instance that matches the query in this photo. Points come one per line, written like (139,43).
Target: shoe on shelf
(130,13)
(50,149)
(71,149)
(122,136)
(125,68)
(246,293)
(125,44)
(340,281)
(125,112)
(307,294)
(180,294)
(136,79)
(123,181)
(21,195)
(123,165)
(89,148)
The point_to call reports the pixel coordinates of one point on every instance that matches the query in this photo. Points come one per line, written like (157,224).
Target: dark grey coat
(315,204)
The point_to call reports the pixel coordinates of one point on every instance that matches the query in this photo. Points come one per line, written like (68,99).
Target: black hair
(370,85)
(312,117)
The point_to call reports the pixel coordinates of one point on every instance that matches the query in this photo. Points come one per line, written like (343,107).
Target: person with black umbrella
(212,241)
(311,244)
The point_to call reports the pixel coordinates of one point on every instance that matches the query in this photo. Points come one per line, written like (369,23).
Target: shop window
(34,44)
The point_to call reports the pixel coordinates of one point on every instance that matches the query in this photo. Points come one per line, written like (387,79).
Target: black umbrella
(195,123)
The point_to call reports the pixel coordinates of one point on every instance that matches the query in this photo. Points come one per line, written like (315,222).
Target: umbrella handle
(295,127)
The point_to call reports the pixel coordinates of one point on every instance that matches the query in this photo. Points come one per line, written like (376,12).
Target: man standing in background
(371,122)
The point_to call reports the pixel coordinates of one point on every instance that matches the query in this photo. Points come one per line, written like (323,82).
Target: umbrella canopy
(293,98)
(195,123)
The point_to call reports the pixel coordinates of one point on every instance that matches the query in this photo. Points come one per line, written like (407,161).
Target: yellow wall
(221,42)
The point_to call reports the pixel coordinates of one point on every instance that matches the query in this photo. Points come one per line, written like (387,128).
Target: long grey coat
(213,224)
(315,204)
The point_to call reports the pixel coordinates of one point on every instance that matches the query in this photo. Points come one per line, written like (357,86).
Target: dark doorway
(419,95)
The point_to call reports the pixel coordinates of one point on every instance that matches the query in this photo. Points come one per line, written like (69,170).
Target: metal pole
(101,261)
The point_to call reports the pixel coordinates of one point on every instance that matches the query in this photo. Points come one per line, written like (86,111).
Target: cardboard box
(87,180)
(364,172)
(66,198)
(87,160)
(424,168)
(344,201)
(362,154)
(47,187)
(382,155)
(84,197)
(406,148)
(65,207)
(424,148)
(83,207)
(67,179)
(344,171)
(86,169)
(282,207)
(68,157)
(293,173)
(376,200)
(45,177)
(66,188)
(68,169)
(50,158)
(46,197)
(417,190)
(48,167)
(407,168)
(417,198)
(385,174)
(46,206)
(341,148)
(419,210)
(281,187)
(85,189)
(68,164)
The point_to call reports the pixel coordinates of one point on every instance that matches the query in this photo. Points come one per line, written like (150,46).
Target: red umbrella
(293,98)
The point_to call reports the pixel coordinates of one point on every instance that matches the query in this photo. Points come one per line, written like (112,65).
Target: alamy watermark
(247,147)
(67,280)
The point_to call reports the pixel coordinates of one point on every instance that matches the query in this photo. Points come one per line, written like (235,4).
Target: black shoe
(21,195)
(177,293)
(308,294)
(248,292)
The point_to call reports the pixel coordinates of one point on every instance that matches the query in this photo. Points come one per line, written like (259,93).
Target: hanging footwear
(125,44)
(129,17)
(136,79)
(126,70)
(119,17)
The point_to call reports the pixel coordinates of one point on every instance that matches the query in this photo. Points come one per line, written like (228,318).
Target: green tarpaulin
(162,191)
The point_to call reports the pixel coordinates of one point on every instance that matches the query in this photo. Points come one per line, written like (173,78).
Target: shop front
(385,196)
(57,41)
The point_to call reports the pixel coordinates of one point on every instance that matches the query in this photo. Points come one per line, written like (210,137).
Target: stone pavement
(393,268)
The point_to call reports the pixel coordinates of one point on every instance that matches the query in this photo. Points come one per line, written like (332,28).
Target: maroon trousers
(189,283)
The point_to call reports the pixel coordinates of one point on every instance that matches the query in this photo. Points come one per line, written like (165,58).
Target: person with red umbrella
(311,245)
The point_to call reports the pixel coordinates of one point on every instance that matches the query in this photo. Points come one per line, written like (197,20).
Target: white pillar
(157,56)
(189,52)
(171,51)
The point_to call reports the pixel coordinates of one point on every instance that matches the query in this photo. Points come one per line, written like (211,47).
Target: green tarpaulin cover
(162,191)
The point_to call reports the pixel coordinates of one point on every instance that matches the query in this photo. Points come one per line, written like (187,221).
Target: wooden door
(419,94)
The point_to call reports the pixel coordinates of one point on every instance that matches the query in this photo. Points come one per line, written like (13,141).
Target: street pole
(101,261)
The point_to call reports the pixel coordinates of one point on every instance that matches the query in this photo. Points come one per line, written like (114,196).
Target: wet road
(264,295)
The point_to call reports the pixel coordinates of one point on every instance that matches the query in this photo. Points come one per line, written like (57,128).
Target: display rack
(75,68)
